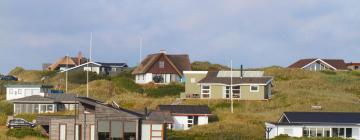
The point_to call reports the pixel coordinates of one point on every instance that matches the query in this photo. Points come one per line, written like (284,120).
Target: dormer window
(161,64)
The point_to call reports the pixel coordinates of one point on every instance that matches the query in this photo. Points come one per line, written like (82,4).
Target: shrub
(126,74)
(355,72)
(80,77)
(16,71)
(3,119)
(23,132)
(166,90)
(328,72)
(127,84)
(6,108)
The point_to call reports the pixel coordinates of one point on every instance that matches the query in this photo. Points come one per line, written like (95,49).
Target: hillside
(293,90)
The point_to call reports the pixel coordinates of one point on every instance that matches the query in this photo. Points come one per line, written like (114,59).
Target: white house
(316,124)
(186,116)
(21,91)
(162,68)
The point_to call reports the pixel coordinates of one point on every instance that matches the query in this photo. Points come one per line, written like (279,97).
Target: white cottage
(186,116)
(316,124)
(21,91)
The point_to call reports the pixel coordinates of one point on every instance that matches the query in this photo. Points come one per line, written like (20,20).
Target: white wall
(21,92)
(181,122)
(297,130)
(203,120)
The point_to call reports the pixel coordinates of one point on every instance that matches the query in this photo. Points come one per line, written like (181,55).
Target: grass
(3,136)
(293,90)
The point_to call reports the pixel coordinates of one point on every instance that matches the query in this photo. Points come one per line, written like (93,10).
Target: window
(62,134)
(161,64)
(143,76)
(129,130)
(190,121)
(306,132)
(335,132)
(254,88)
(116,130)
(19,91)
(78,133)
(236,92)
(92,132)
(49,108)
(103,130)
(312,132)
(27,92)
(348,132)
(193,80)
(113,69)
(326,132)
(319,132)
(11,91)
(205,91)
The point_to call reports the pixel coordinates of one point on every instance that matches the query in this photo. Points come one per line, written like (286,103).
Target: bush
(126,74)
(166,90)
(16,71)
(80,77)
(23,132)
(127,84)
(6,108)
(3,119)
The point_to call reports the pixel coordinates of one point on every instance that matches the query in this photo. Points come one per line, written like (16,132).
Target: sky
(254,33)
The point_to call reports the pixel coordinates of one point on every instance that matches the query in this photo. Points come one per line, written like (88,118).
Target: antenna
(87,72)
(231,84)
(140,43)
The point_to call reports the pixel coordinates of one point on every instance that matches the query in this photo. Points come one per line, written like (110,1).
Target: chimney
(79,57)
(163,51)
(146,112)
(241,71)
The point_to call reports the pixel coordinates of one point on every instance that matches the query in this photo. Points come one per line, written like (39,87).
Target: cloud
(255,33)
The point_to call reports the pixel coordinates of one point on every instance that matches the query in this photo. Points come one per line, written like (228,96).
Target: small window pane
(326,132)
(103,126)
(306,132)
(157,127)
(130,127)
(116,129)
(156,133)
(348,132)
(312,132)
(319,132)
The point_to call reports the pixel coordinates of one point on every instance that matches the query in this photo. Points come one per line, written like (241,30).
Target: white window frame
(258,88)
(192,121)
(202,93)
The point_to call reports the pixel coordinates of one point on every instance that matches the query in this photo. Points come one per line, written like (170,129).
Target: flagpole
(140,41)
(87,72)
(66,73)
(231,87)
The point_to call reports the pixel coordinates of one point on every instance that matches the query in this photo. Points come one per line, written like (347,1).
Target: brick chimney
(79,58)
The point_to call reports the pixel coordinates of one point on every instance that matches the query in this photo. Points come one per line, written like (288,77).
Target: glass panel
(206,87)
(130,136)
(156,127)
(254,88)
(156,133)
(50,108)
(205,95)
(348,132)
(78,132)
(319,132)
(103,126)
(36,108)
(116,129)
(42,108)
(145,131)
(130,127)
(92,132)
(326,132)
(62,132)
(312,132)
(335,132)
(341,132)
(104,135)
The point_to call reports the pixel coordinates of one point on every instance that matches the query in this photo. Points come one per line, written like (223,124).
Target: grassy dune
(293,90)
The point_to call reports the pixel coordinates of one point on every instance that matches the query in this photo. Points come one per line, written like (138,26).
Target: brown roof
(353,64)
(211,77)
(339,64)
(179,62)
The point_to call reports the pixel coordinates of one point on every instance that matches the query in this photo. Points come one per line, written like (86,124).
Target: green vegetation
(293,90)
(23,132)
(204,66)
(80,77)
